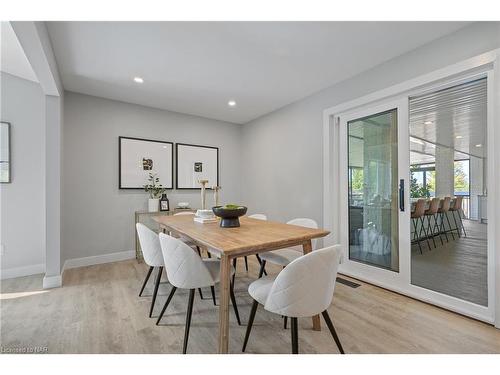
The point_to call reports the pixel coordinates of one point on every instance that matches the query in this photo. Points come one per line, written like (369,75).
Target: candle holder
(203,193)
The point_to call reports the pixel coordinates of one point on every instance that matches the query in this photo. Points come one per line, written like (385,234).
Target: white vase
(153,204)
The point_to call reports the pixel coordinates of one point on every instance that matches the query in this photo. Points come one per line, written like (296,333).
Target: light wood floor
(98,311)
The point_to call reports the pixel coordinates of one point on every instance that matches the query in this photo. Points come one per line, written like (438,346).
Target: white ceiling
(13,60)
(196,67)
(454,118)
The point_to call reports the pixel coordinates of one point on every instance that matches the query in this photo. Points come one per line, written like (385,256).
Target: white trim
(469,65)
(32,269)
(480,65)
(50,282)
(98,259)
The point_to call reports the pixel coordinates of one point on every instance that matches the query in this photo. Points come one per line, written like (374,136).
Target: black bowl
(229,216)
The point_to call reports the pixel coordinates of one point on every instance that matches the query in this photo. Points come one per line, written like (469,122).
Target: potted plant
(155,190)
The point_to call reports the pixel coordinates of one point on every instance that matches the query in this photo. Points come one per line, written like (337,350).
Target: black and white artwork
(140,157)
(195,163)
(4,152)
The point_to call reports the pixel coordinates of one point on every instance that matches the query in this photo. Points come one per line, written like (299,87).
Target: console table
(146,218)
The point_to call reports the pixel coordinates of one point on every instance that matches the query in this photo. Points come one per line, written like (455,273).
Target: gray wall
(282,154)
(97,217)
(23,200)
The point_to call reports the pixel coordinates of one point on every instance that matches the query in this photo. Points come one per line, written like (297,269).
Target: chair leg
(212,289)
(433,230)
(189,313)
(172,291)
(295,336)
(233,302)
(250,323)
(201,293)
(234,265)
(246,263)
(332,330)
(456,224)
(157,284)
(449,225)
(461,223)
(436,225)
(443,229)
(198,250)
(262,268)
(146,280)
(285,320)
(260,262)
(415,235)
(209,255)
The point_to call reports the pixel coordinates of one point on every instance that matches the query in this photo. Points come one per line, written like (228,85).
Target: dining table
(253,236)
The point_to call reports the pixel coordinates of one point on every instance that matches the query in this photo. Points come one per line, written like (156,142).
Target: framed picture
(196,163)
(164,204)
(139,157)
(5,152)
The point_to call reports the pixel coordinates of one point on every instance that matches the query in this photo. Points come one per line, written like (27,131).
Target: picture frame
(138,157)
(5,153)
(195,162)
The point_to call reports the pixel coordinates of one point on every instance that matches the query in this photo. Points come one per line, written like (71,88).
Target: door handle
(402,195)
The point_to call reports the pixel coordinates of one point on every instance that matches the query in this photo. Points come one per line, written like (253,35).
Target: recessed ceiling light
(138,80)
(231,103)
(479,145)
(458,137)
(428,122)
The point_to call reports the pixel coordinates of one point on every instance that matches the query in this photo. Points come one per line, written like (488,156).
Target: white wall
(282,154)
(23,200)
(97,217)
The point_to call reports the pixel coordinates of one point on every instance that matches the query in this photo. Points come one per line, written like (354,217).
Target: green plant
(153,187)
(416,190)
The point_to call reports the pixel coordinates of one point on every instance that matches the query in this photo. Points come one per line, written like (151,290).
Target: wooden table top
(253,236)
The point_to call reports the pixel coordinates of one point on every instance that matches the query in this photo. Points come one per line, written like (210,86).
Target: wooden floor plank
(99,311)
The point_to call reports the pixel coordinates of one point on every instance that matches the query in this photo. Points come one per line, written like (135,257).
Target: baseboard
(10,273)
(98,259)
(50,282)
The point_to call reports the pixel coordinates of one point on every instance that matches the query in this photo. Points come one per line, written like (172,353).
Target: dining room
(236,188)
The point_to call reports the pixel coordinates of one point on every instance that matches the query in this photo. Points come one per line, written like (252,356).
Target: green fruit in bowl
(231,206)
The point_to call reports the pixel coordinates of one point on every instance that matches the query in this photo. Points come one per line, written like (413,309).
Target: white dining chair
(191,243)
(302,289)
(153,257)
(187,270)
(283,257)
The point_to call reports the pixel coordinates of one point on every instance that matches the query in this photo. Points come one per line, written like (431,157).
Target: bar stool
(416,215)
(431,213)
(443,212)
(457,207)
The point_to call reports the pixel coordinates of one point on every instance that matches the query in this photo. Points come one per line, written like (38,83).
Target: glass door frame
(383,276)
(334,192)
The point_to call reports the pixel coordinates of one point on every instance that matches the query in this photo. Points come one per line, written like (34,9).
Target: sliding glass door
(373,182)
(373,189)
(413,195)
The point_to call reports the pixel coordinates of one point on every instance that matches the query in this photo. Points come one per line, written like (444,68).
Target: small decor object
(216,194)
(4,152)
(205,216)
(229,215)
(183,205)
(195,163)
(164,204)
(139,157)
(155,190)
(203,193)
